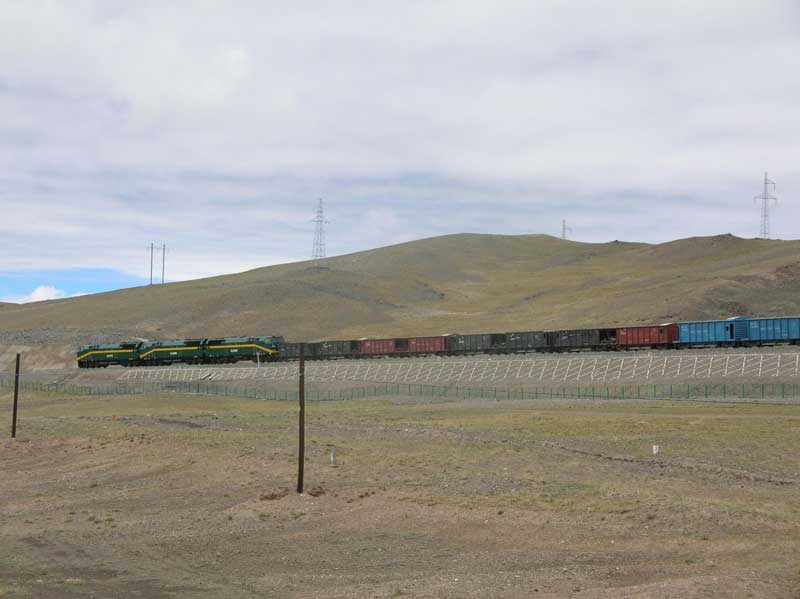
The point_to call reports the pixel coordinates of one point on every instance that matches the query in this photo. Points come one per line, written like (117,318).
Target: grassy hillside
(463,283)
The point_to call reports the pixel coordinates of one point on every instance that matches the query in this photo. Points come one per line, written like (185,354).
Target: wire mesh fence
(567,369)
(762,392)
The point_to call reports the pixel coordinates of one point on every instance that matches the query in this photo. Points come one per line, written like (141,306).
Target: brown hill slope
(463,283)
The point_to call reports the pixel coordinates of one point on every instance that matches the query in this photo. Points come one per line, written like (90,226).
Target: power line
(765,197)
(318,250)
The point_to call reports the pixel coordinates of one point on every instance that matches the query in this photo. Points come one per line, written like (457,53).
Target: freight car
(664,335)
(487,343)
(773,330)
(419,346)
(596,339)
(526,341)
(740,331)
(713,332)
(383,347)
(340,349)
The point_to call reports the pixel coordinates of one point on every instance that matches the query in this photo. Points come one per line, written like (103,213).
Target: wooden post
(301,450)
(16,401)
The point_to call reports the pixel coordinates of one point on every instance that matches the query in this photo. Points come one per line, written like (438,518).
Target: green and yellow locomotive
(180,351)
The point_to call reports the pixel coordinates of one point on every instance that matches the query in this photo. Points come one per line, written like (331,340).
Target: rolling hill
(454,283)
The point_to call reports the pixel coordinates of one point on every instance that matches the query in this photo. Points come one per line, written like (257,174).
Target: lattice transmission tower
(318,250)
(565,230)
(765,198)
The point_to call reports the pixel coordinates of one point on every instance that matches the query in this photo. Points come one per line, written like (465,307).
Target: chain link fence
(760,392)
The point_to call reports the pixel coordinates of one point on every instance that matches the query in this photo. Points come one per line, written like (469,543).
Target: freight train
(737,331)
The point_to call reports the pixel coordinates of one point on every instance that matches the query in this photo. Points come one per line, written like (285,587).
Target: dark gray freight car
(580,339)
(291,351)
(484,343)
(526,341)
(339,349)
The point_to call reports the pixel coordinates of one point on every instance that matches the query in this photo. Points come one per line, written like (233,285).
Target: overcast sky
(214,127)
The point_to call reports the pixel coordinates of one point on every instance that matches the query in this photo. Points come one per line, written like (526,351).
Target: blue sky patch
(21,286)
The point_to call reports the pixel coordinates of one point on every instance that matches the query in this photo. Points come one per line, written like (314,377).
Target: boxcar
(773,329)
(428,345)
(580,339)
(664,334)
(525,341)
(706,332)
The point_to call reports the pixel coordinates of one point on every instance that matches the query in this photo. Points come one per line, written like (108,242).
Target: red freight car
(664,334)
(384,346)
(428,345)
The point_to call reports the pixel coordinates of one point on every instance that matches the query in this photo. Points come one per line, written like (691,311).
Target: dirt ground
(187,496)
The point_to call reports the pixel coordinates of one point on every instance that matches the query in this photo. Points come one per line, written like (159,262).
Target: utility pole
(152,248)
(163,261)
(318,250)
(765,198)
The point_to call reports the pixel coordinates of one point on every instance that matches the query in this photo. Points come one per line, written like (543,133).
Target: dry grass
(189,496)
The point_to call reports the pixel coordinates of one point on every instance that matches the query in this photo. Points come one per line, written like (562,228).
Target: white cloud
(40,294)
(214,128)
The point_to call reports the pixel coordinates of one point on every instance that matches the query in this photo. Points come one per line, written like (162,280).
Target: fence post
(16,400)
(301,421)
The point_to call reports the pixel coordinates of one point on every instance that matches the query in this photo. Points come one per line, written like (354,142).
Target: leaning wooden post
(16,401)
(301,450)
